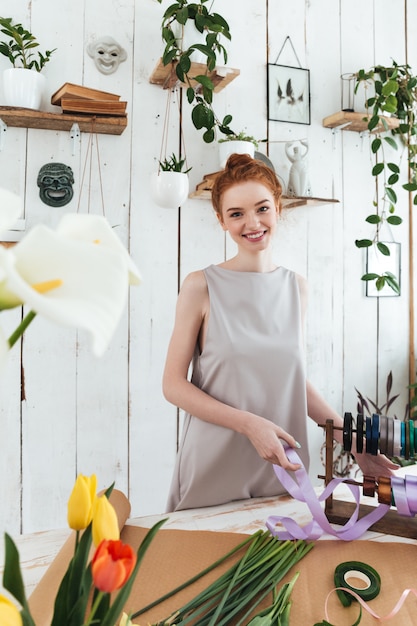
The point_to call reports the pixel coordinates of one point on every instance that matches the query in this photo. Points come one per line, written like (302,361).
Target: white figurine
(298,182)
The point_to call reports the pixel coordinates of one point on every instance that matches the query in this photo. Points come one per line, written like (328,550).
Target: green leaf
(391,142)
(393,167)
(208,136)
(376,144)
(373,219)
(205,81)
(190,94)
(184,63)
(410,186)
(392,282)
(367,277)
(380,282)
(363,243)
(395,220)
(377,169)
(12,575)
(392,196)
(383,248)
(373,122)
(393,179)
(182,15)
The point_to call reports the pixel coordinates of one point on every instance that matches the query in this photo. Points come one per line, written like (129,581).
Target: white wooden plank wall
(108,416)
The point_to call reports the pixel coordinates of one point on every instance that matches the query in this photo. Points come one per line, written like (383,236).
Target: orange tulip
(112,564)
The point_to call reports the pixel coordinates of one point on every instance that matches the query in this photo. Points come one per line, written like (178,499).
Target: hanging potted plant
(23,82)
(208,28)
(170,184)
(394,93)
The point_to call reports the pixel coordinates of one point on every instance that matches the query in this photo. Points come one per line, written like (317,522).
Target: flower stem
(18,332)
(94,608)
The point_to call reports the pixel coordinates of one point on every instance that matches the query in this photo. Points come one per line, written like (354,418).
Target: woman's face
(249,214)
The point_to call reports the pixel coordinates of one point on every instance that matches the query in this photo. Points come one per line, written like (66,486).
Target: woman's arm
(190,323)
(320,411)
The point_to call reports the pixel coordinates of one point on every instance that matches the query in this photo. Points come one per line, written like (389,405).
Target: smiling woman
(240,323)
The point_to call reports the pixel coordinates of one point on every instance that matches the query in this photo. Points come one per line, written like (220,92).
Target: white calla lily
(68,281)
(96,229)
(10,209)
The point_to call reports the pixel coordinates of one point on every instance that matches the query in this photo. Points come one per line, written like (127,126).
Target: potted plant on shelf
(23,83)
(240,143)
(170,184)
(179,49)
(394,93)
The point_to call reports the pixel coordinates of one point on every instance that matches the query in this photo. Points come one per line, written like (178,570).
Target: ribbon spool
(379,433)
(344,575)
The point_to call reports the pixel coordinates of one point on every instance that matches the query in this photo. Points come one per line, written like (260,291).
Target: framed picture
(288,94)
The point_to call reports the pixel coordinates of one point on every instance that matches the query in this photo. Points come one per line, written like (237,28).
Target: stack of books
(80,99)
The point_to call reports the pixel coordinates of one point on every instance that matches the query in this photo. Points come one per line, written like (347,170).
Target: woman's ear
(221,222)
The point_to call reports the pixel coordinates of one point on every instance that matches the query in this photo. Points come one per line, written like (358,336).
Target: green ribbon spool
(362,571)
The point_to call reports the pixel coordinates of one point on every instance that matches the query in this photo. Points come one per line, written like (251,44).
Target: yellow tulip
(81,502)
(105,524)
(9,615)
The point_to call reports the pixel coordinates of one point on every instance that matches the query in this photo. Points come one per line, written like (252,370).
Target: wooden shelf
(203,192)
(28,118)
(357,122)
(165,76)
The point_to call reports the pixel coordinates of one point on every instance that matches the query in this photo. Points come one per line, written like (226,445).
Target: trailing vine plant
(200,88)
(395,94)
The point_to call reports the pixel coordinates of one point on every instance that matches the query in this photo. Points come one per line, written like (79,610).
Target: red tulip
(112,564)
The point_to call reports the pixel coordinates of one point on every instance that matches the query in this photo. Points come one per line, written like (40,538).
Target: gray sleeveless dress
(253,359)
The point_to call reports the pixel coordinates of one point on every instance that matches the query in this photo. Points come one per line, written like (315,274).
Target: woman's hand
(375,466)
(265,436)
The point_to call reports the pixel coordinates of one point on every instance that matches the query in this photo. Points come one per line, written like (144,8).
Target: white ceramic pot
(187,35)
(226,148)
(23,87)
(169,189)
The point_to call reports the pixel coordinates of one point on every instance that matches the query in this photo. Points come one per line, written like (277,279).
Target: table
(37,550)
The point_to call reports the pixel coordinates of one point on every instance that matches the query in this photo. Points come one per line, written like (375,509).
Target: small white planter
(23,87)
(187,35)
(169,189)
(226,148)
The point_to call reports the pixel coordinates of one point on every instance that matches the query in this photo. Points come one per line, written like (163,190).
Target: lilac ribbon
(301,489)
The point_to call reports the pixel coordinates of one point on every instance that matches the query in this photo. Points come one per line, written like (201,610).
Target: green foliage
(366,406)
(173,164)
(200,89)
(19,48)
(396,95)
(242,136)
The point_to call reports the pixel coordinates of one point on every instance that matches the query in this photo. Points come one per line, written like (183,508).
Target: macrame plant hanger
(88,163)
(165,130)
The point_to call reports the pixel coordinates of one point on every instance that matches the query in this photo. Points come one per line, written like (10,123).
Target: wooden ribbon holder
(340,511)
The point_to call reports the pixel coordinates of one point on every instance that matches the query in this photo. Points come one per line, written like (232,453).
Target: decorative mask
(107,54)
(55,182)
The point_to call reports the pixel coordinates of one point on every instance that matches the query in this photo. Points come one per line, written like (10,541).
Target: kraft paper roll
(41,601)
